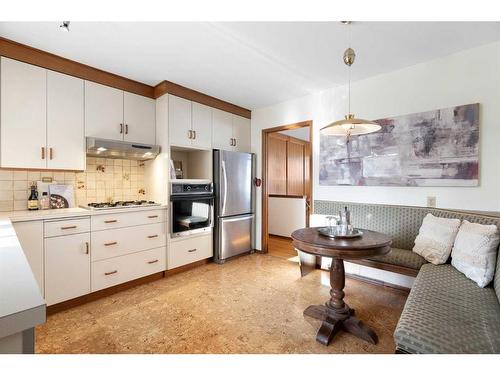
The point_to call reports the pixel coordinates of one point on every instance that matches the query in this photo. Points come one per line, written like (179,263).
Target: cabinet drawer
(189,250)
(127,219)
(66,226)
(116,242)
(114,271)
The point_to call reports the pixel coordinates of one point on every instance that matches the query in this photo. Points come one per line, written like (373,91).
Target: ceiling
(300,133)
(251,64)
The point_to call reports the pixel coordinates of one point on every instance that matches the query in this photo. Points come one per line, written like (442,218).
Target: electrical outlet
(431,201)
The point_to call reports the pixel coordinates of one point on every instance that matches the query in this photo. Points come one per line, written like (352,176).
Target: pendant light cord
(349,68)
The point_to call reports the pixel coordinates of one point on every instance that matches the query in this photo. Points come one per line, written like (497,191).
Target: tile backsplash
(103,180)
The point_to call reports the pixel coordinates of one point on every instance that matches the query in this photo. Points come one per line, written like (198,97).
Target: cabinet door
(139,118)
(222,132)
(202,126)
(103,111)
(67,267)
(295,168)
(23,115)
(65,122)
(241,133)
(276,164)
(30,236)
(179,121)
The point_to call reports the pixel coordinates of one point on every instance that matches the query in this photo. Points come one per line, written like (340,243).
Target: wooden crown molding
(167,87)
(43,59)
(34,56)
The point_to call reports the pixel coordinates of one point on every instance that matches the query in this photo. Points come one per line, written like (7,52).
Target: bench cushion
(401,257)
(448,313)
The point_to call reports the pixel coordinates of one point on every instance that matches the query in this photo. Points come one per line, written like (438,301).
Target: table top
(370,244)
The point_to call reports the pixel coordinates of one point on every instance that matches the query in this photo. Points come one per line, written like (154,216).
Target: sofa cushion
(474,252)
(448,313)
(401,257)
(435,238)
(496,280)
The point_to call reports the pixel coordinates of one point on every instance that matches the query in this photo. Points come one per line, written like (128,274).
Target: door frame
(265,195)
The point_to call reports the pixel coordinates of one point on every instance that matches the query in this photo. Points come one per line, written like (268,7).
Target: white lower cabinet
(30,236)
(114,271)
(189,250)
(67,267)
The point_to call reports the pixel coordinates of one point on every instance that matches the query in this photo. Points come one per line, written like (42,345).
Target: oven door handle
(191,197)
(223,190)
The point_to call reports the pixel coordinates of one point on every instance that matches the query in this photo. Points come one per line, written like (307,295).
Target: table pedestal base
(333,322)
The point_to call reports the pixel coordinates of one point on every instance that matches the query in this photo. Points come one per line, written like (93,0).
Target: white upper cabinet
(139,118)
(23,115)
(179,121)
(202,126)
(65,126)
(241,134)
(222,132)
(103,112)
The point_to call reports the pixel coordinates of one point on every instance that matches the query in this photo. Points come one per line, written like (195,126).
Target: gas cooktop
(119,204)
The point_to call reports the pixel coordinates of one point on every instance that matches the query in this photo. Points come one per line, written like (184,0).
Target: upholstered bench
(445,311)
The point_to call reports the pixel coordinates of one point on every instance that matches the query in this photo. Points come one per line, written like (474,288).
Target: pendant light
(350,125)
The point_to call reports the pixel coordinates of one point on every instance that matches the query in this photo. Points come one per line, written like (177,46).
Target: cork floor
(252,304)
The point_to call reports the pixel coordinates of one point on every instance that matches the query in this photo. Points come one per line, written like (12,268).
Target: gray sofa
(445,311)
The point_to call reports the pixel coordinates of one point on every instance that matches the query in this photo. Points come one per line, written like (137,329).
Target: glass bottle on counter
(33,198)
(44,201)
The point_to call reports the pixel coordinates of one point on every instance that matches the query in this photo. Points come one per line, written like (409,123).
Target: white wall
(286,215)
(471,76)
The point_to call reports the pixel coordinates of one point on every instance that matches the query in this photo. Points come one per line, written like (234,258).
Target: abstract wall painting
(434,148)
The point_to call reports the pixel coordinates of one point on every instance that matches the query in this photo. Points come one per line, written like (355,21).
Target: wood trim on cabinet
(265,195)
(167,87)
(34,56)
(121,287)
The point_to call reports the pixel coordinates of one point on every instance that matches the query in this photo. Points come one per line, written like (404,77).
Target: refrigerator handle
(223,190)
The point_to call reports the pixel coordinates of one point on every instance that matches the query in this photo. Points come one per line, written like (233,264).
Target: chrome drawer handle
(69,227)
(110,243)
(153,236)
(191,251)
(110,221)
(152,217)
(153,261)
(110,273)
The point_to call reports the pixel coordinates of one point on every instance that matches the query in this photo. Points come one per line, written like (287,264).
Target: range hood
(106,148)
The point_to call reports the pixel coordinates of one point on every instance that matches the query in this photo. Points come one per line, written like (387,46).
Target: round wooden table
(335,314)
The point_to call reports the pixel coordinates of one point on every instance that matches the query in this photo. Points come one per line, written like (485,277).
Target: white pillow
(475,251)
(435,238)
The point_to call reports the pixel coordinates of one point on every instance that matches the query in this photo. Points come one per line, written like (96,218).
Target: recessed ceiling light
(101,149)
(64,26)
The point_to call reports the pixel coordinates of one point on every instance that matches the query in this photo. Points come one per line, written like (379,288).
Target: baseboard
(378,282)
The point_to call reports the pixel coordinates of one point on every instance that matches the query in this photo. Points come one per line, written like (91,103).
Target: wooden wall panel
(295,168)
(276,164)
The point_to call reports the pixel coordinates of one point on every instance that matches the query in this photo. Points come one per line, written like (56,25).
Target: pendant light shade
(350,125)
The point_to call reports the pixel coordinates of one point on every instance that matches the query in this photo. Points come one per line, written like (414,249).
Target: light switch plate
(431,201)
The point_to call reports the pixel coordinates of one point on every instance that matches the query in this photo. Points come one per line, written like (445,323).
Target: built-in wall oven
(191,207)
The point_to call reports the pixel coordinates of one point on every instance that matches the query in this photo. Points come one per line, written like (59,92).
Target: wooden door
(67,267)
(222,133)
(65,122)
(241,133)
(179,121)
(276,164)
(103,111)
(23,115)
(295,168)
(139,118)
(202,126)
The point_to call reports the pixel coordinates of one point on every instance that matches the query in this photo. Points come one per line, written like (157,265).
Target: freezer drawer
(234,236)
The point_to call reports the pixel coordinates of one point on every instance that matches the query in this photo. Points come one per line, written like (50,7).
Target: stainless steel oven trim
(193,231)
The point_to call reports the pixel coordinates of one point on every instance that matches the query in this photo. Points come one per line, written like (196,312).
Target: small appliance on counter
(234,203)
(191,209)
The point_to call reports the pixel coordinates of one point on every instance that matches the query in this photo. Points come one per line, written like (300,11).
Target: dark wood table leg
(336,314)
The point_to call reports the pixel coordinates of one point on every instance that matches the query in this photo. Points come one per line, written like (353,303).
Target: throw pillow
(435,238)
(475,251)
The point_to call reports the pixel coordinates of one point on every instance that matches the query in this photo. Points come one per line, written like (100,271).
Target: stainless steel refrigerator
(234,204)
